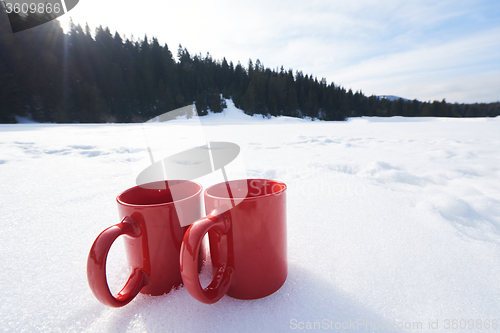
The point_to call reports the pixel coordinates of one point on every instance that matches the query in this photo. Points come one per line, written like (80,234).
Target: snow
(231,115)
(25,120)
(392,222)
(392,98)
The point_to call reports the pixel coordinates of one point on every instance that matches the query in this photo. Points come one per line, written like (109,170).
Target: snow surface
(392,222)
(392,98)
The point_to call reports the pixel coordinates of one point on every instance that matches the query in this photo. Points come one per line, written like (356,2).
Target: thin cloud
(453,61)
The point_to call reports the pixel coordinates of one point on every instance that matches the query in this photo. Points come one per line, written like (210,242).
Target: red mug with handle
(246,226)
(153,233)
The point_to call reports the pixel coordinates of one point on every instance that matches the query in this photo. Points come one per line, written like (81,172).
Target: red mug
(247,240)
(153,234)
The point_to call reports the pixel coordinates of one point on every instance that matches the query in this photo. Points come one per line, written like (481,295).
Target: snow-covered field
(392,222)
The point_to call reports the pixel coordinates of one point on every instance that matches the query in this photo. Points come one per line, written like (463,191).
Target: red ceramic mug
(153,235)
(247,236)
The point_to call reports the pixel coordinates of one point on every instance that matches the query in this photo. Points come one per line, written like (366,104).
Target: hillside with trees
(92,77)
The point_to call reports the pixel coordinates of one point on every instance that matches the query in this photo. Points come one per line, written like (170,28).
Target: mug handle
(96,266)
(189,258)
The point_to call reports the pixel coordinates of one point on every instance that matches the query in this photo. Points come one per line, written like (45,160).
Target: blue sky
(428,50)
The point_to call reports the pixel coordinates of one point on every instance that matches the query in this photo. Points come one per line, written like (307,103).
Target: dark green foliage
(77,77)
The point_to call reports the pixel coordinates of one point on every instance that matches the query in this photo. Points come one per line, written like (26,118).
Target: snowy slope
(392,98)
(392,222)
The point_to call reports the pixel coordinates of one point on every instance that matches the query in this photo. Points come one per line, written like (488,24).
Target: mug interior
(162,192)
(246,188)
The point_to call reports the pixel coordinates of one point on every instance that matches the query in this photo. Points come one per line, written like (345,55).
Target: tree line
(86,77)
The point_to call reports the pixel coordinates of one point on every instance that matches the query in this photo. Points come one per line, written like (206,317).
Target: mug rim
(283,189)
(128,204)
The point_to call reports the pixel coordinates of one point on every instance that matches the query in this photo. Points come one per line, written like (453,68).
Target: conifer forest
(88,76)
